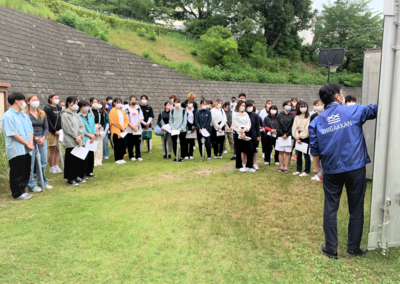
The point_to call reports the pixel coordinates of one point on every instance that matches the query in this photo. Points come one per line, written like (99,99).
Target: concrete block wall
(42,56)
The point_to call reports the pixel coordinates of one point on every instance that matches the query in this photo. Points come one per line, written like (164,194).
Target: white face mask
(268,106)
(249,109)
(320,108)
(273,111)
(56,102)
(172,100)
(119,105)
(351,104)
(219,106)
(315,108)
(110,102)
(303,109)
(288,108)
(99,106)
(35,104)
(62,108)
(95,105)
(190,105)
(23,106)
(342,102)
(75,107)
(242,108)
(144,101)
(204,107)
(177,105)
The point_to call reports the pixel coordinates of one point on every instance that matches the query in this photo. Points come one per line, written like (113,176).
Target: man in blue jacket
(337,141)
(203,121)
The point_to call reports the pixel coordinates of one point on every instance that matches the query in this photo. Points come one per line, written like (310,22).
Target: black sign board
(331,57)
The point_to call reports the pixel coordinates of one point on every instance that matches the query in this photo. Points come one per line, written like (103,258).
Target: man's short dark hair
(285,103)
(126,103)
(131,97)
(327,93)
(294,99)
(108,98)
(242,95)
(15,97)
(233,98)
(83,103)
(203,101)
(249,103)
(146,97)
(350,98)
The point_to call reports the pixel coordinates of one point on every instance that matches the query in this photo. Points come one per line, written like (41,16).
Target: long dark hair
(302,104)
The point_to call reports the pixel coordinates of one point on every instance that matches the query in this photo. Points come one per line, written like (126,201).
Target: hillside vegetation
(215,56)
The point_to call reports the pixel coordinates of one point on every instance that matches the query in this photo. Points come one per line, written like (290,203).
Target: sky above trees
(375,4)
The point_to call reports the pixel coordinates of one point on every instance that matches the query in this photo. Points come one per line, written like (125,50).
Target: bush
(218,47)
(68,19)
(194,52)
(4,168)
(247,42)
(295,55)
(146,53)
(258,57)
(94,27)
(152,36)
(31,7)
(141,32)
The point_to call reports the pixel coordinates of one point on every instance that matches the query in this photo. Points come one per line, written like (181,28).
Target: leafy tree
(348,24)
(274,16)
(259,56)
(218,47)
(247,41)
(198,27)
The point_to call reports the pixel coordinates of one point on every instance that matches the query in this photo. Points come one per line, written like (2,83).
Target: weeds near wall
(33,8)
(4,168)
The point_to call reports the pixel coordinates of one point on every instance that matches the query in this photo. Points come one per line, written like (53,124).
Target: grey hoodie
(72,127)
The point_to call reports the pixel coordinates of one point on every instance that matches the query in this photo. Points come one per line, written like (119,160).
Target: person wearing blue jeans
(40,131)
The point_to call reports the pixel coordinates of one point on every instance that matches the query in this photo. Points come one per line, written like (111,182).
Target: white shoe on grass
(250,170)
(256,167)
(35,189)
(140,159)
(48,186)
(296,173)
(24,196)
(215,157)
(243,170)
(106,158)
(220,157)
(186,158)
(263,156)
(133,159)
(315,177)
(303,175)
(225,152)
(276,164)
(266,163)
(58,169)
(191,157)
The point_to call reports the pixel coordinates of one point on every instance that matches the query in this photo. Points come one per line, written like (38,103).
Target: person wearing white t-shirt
(134,129)
(218,120)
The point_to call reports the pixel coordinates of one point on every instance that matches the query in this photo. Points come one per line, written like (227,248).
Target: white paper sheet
(285,142)
(107,127)
(167,128)
(269,133)
(175,132)
(80,152)
(190,135)
(220,133)
(205,133)
(246,138)
(103,134)
(274,134)
(91,146)
(61,136)
(123,134)
(303,147)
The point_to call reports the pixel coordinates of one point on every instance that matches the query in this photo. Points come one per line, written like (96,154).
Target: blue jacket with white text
(336,135)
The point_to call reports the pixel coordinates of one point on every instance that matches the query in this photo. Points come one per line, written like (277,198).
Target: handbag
(147,134)
(157,129)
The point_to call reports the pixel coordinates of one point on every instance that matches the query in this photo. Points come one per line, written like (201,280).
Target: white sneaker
(296,173)
(220,157)
(191,157)
(250,170)
(106,158)
(123,161)
(225,152)
(133,159)
(215,157)
(266,163)
(140,159)
(35,189)
(186,158)
(256,167)
(194,147)
(119,162)
(243,170)
(276,164)
(24,196)
(58,169)
(51,170)
(48,186)
(263,156)
(303,175)
(209,160)
(95,165)
(315,177)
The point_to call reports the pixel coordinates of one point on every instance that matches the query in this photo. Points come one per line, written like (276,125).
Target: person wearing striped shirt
(18,130)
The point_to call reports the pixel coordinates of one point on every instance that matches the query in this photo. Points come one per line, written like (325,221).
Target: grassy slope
(160,222)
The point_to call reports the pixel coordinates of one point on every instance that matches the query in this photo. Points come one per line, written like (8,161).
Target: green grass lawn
(160,222)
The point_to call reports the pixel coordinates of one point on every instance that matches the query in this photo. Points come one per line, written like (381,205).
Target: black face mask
(133,103)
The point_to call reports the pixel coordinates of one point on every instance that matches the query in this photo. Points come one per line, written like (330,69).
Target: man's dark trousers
(20,171)
(355,187)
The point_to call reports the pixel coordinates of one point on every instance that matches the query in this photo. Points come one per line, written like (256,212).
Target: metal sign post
(330,58)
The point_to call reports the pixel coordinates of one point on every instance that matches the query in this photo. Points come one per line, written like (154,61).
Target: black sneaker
(169,157)
(92,176)
(79,180)
(233,158)
(329,254)
(357,252)
(180,160)
(174,160)
(72,182)
(165,157)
